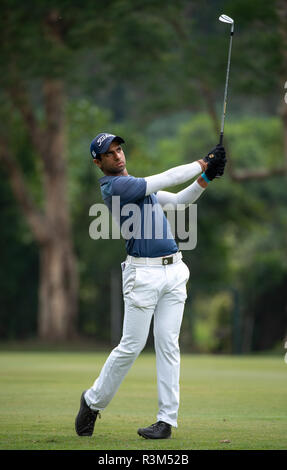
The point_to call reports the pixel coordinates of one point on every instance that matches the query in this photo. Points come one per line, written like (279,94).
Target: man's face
(113,162)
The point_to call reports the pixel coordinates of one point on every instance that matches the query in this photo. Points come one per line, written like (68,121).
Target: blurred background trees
(154,73)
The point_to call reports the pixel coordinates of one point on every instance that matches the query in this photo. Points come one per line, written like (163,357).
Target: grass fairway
(239,399)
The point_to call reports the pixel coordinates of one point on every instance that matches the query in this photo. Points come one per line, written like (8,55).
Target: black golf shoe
(86,418)
(159,430)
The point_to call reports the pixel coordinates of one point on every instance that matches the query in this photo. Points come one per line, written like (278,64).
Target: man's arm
(186,196)
(177,175)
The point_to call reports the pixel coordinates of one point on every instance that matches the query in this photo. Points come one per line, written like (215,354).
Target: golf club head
(226,19)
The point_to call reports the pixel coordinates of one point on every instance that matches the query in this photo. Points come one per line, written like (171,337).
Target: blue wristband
(205,178)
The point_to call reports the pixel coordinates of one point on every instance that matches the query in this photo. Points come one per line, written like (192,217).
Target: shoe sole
(142,434)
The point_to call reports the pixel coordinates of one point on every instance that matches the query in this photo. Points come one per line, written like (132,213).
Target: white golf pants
(148,290)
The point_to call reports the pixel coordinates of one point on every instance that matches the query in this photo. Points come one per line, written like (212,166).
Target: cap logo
(103,138)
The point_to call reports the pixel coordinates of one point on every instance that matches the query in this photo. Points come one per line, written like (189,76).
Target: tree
(51,224)
(42,45)
(259,71)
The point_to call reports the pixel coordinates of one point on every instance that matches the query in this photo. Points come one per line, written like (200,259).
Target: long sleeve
(177,175)
(186,196)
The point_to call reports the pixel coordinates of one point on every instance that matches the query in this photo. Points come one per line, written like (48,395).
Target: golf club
(226,19)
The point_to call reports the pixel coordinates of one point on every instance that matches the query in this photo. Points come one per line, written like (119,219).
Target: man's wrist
(203,164)
(202,182)
(205,177)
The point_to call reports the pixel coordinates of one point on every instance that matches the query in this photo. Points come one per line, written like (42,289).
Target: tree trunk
(57,291)
(58,276)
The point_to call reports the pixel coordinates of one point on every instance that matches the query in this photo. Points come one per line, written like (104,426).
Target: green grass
(241,399)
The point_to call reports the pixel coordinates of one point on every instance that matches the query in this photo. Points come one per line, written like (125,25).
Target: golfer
(154,278)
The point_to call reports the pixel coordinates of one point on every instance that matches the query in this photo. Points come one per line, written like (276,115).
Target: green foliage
(240,229)
(148,71)
(19,270)
(18,251)
(256,141)
(213,323)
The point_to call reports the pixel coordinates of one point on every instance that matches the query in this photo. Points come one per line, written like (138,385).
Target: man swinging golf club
(154,280)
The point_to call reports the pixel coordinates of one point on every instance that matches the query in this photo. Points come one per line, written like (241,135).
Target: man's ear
(98,162)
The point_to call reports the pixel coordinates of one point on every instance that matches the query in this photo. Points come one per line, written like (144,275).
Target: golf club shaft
(226,88)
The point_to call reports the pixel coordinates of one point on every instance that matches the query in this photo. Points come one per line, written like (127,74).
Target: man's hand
(216,162)
(218,153)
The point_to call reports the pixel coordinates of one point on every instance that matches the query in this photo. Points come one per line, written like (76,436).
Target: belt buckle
(167,260)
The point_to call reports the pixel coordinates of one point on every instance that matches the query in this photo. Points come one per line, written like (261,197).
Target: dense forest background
(154,73)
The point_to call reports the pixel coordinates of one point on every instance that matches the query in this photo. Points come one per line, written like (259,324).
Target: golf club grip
(220,143)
